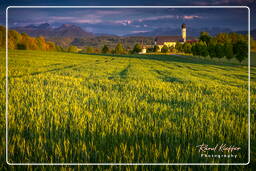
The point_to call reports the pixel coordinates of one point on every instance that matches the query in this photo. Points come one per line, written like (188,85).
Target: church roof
(161,39)
(192,41)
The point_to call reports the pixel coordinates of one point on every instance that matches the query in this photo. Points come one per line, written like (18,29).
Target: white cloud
(189,17)
(123,22)
(89,19)
(139,31)
(156,18)
(107,12)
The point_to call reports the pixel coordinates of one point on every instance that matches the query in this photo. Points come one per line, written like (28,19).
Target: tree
(72,49)
(228,47)
(253,44)
(119,49)
(241,50)
(164,49)
(2,36)
(59,48)
(24,42)
(89,49)
(29,42)
(52,46)
(202,48)
(234,37)
(205,37)
(220,51)
(113,51)
(195,49)
(178,47)
(13,38)
(172,49)
(156,48)
(21,46)
(41,43)
(223,38)
(187,47)
(137,48)
(105,49)
(212,49)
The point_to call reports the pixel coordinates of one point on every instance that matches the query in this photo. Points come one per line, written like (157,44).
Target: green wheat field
(80,108)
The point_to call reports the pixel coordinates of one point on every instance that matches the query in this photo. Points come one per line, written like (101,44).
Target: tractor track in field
(124,73)
(121,74)
(74,66)
(194,73)
(165,76)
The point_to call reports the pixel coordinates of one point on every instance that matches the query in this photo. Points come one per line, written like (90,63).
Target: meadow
(81,108)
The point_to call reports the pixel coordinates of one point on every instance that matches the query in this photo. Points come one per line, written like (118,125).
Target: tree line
(229,45)
(22,41)
(118,49)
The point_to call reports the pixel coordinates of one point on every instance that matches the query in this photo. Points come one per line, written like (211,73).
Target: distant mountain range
(65,30)
(194,32)
(69,34)
(70,30)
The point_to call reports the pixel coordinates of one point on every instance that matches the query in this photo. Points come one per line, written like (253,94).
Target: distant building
(144,49)
(183,32)
(172,40)
(167,40)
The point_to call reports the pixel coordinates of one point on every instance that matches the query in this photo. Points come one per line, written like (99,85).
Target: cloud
(190,17)
(127,22)
(100,12)
(156,18)
(139,31)
(88,20)
(123,22)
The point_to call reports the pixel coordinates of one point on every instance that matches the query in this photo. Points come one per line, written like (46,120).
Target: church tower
(183,32)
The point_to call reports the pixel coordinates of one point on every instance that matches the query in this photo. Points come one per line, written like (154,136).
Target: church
(169,41)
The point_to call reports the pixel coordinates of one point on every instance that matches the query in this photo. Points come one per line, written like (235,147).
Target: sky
(127,21)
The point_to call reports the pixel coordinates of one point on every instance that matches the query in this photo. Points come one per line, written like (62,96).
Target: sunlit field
(79,108)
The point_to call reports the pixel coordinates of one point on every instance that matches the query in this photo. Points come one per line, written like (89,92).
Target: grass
(66,107)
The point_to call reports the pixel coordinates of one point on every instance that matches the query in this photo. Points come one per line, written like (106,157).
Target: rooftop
(161,39)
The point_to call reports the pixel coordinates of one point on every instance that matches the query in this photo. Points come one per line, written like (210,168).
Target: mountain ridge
(46,30)
(194,32)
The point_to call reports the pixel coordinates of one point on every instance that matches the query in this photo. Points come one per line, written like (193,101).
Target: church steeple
(183,32)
